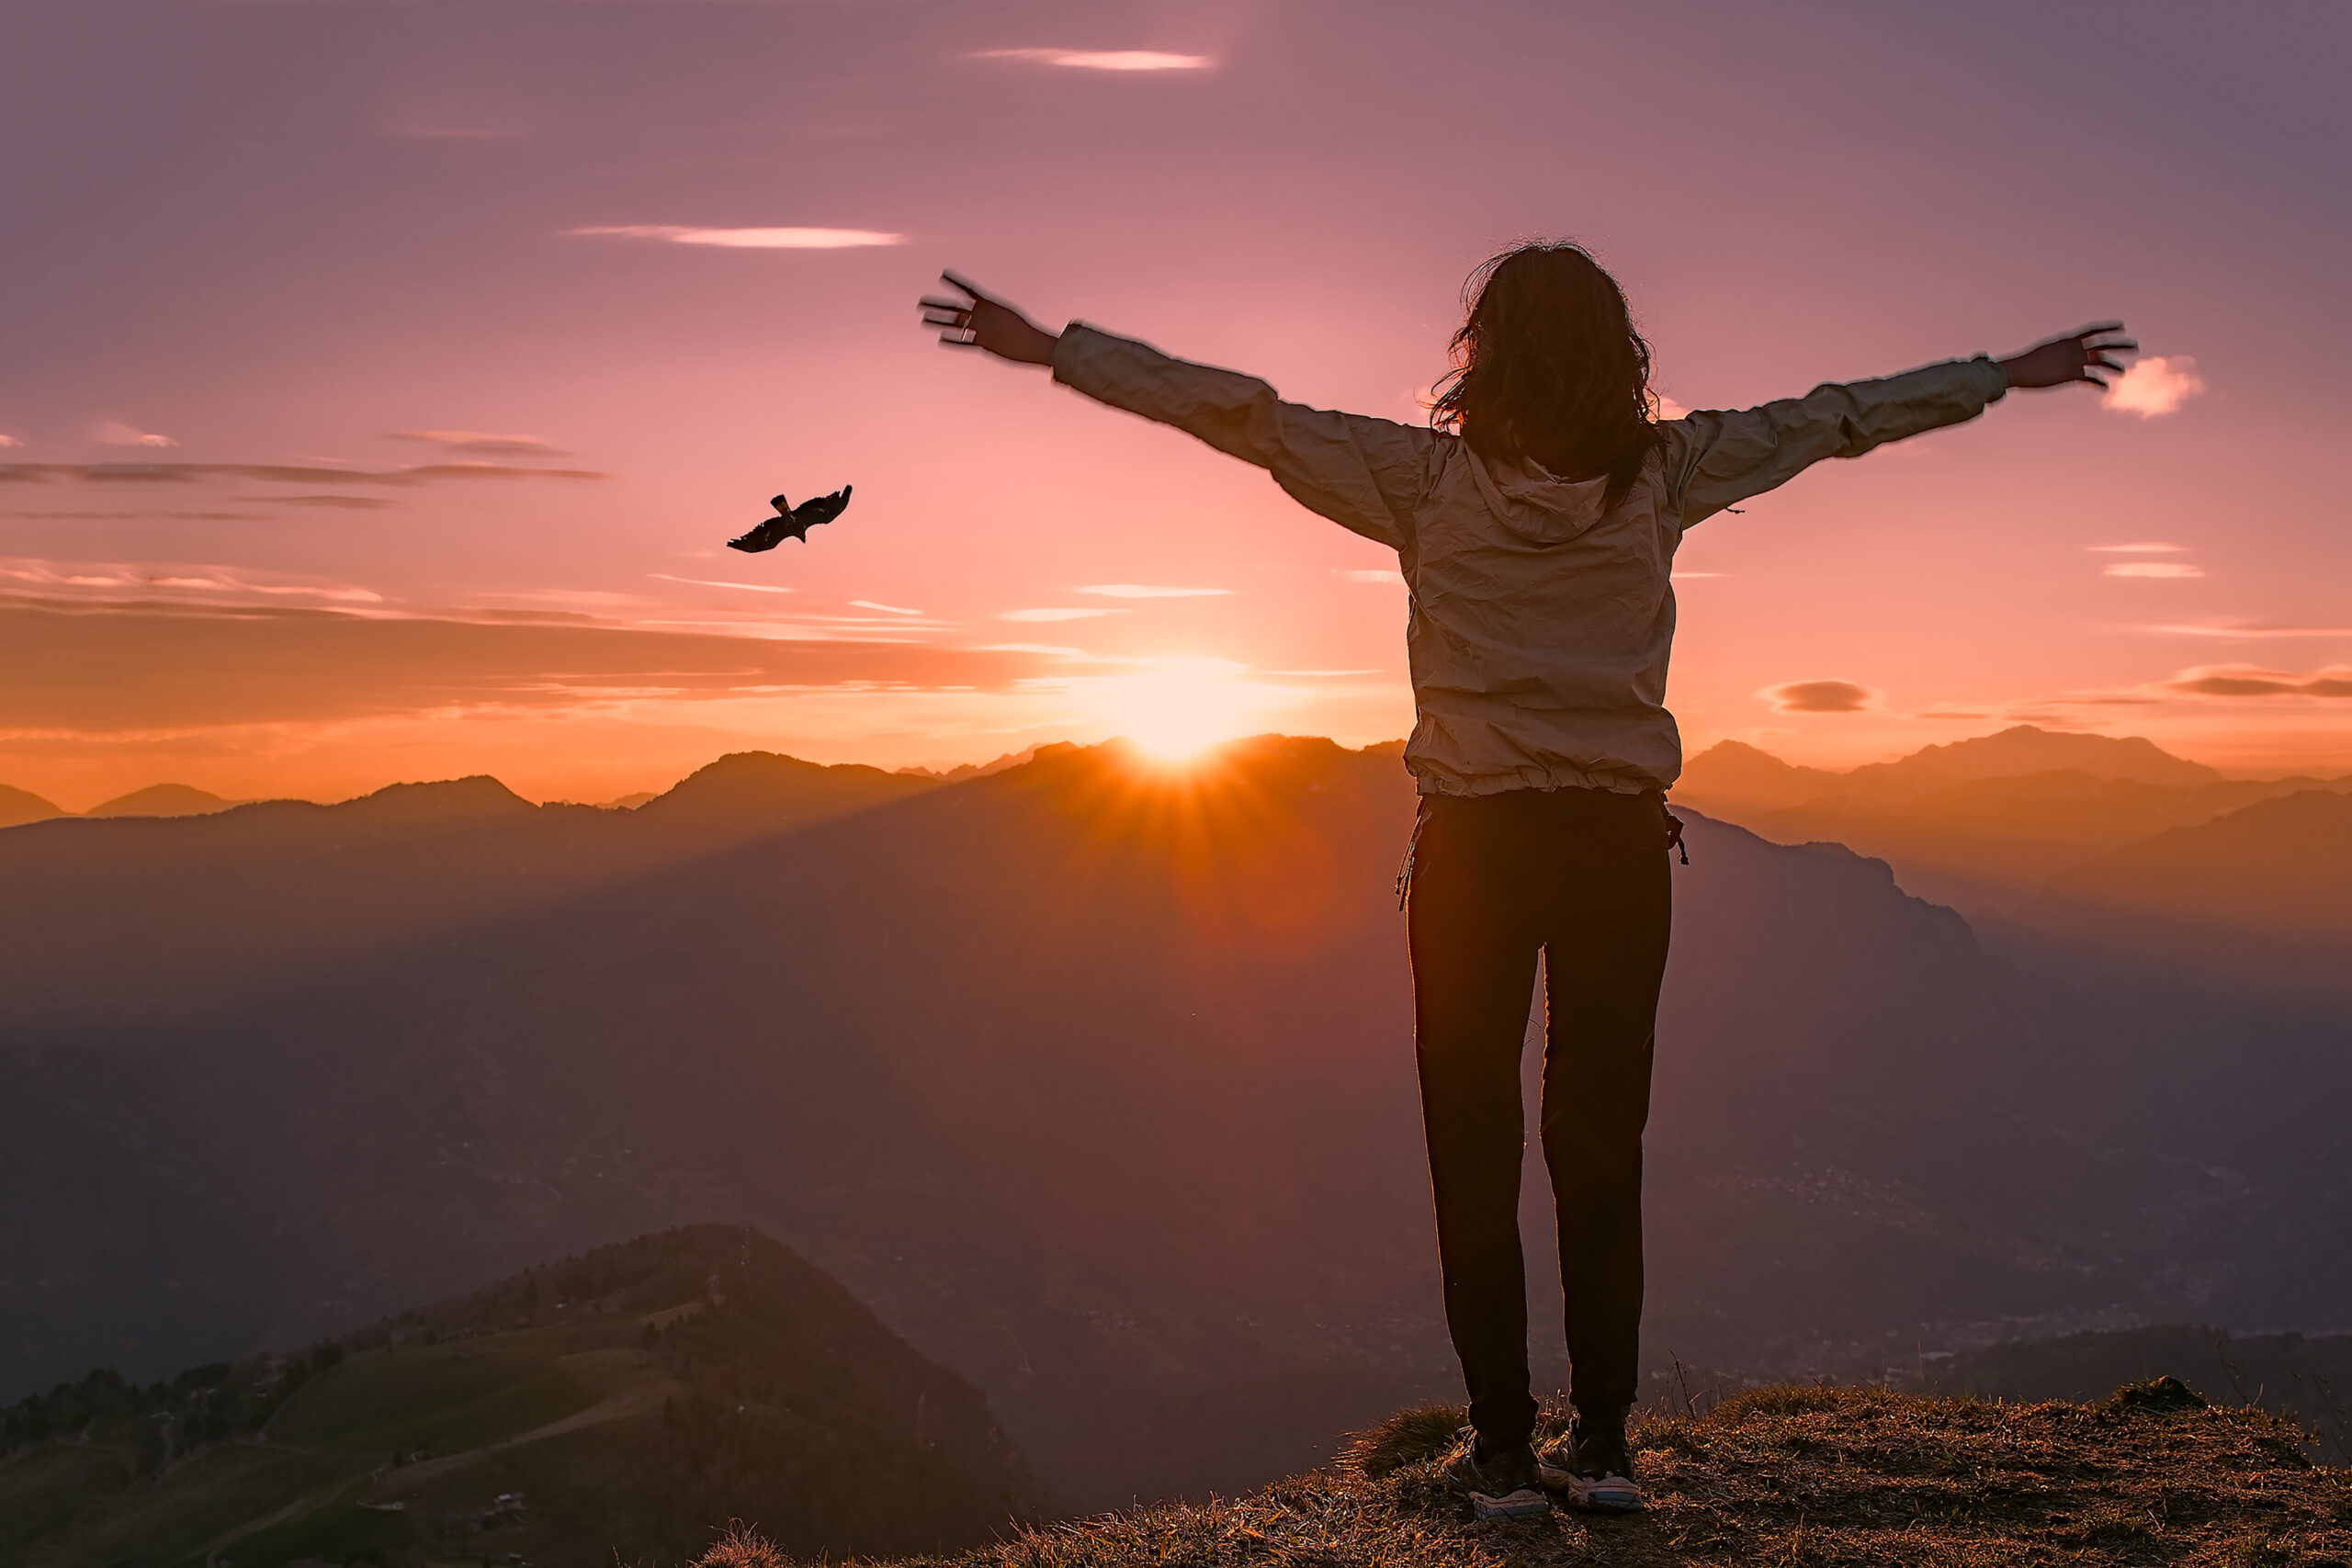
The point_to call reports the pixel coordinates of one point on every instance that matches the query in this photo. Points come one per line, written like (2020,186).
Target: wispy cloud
(114,432)
(79,580)
(1062,614)
(141,516)
(2250,680)
(8,440)
(748,239)
(481,444)
(887,609)
(1147,591)
(1099,58)
(2244,629)
(1045,648)
(339,503)
(2155,569)
(1666,407)
(706,583)
(2156,385)
(1688,576)
(2144,547)
(1372,575)
(1821,697)
(207,666)
(275,473)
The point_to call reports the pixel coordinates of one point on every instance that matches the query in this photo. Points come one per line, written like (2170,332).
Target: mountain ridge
(619,1400)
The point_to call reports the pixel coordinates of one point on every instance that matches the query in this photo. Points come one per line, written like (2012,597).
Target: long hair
(1549,369)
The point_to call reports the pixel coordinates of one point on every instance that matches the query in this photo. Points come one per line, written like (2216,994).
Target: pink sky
(266,240)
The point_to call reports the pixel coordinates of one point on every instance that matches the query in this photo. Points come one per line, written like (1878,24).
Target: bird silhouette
(792,522)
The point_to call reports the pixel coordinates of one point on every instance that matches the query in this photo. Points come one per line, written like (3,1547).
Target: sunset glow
(478,332)
(1178,711)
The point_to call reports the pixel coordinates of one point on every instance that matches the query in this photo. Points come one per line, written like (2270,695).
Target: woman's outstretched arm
(1364,474)
(1715,459)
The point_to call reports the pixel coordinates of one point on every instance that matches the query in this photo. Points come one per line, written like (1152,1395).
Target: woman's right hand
(988,323)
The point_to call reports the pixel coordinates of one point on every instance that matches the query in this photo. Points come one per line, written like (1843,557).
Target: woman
(1536,522)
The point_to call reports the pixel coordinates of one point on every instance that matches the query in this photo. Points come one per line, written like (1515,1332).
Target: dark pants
(1579,876)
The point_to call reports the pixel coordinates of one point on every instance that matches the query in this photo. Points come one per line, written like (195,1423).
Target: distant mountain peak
(23,805)
(475,795)
(2024,748)
(782,788)
(1735,775)
(161,800)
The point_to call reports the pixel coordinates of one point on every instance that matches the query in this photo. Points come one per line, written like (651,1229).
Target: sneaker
(1594,1468)
(1501,1485)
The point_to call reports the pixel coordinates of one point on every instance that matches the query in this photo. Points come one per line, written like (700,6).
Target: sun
(1179,710)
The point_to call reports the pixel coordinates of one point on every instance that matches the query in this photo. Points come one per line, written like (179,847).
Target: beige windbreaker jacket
(1540,620)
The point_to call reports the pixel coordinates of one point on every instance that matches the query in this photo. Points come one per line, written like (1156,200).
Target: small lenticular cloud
(2251,680)
(1820,697)
(8,440)
(1099,58)
(1372,574)
(748,239)
(114,432)
(1056,615)
(2155,569)
(2156,385)
(483,444)
(1666,407)
(890,609)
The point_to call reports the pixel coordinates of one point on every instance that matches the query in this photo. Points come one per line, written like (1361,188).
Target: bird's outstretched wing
(824,509)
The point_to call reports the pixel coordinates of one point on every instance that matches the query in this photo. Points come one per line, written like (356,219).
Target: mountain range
(1092,1079)
(1990,825)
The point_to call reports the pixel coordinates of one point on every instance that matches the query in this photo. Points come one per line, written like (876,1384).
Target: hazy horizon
(944,765)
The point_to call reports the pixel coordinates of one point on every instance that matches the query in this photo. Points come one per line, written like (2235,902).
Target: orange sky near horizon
(382,381)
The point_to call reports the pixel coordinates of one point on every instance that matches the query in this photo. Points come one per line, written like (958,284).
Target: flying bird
(792,522)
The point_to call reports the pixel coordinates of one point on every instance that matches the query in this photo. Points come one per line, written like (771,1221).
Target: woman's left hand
(2062,361)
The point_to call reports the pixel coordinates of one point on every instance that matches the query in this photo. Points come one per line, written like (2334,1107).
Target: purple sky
(274,236)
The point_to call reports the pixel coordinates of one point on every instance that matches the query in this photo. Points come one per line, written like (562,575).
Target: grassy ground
(442,1398)
(1782,1476)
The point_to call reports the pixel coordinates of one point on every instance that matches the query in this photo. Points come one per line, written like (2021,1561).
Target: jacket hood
(1533,505)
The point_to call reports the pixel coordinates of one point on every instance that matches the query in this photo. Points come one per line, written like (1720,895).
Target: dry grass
(1794,1476)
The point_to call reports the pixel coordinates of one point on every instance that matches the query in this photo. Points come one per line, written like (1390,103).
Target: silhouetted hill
(2024,748)
(1987,846)
(1095,1082)
(1980,824)
(161,800)
(619,1401)
(1776,1476)
(134,917)
(2264,894)
(23,805)
(774,793)
(1733,776)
